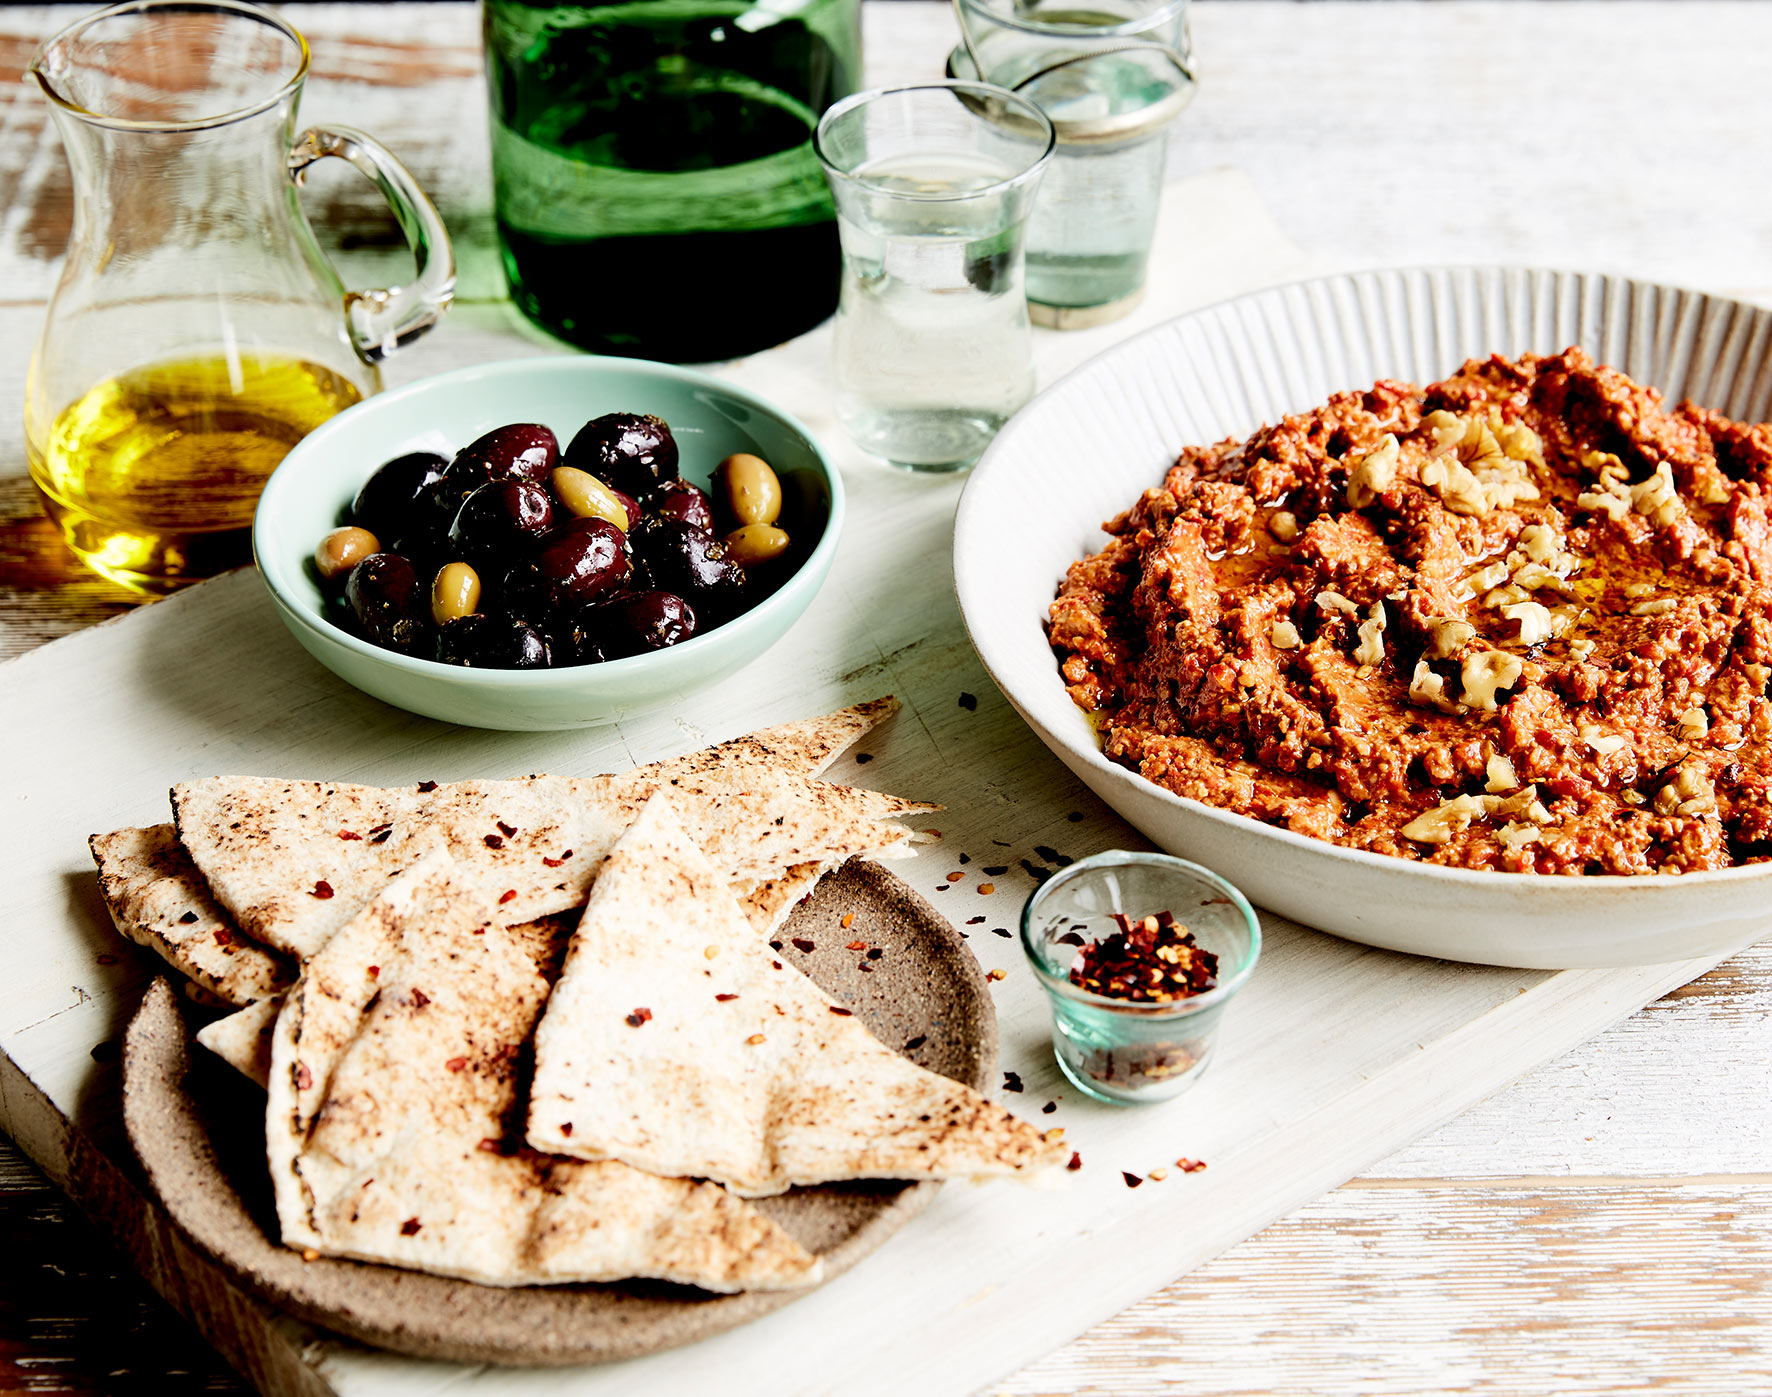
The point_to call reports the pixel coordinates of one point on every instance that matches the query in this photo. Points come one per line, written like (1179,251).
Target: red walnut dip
(1518,620)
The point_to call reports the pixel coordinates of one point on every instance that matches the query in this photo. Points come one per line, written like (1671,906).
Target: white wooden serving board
(1334,1056)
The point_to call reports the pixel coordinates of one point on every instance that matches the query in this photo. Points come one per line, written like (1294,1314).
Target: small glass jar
(1125,1050)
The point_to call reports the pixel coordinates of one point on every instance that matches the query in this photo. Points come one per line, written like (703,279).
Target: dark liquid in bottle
(657,194)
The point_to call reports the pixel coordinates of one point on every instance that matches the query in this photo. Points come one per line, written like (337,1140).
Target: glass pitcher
(197,331)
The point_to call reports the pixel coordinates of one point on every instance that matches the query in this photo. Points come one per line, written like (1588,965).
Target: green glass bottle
(655,188)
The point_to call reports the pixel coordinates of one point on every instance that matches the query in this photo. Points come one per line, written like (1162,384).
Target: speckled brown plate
(198,1129)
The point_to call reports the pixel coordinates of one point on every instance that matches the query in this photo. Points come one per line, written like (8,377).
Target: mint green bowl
(309,492)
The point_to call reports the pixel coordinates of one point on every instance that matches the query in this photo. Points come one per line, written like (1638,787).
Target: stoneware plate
(198,1129)
(1083,450)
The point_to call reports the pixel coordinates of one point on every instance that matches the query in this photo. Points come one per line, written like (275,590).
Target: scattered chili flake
(107,1051)
(1049,1108)
(410,1227)
(1075,817)
(188,918)
(508,895)
(1158,1175)
(321,890)
(309,1254)
(865,968)
(776,964)
(495,841)
(848,921)
(997,870)
(555,863)
(802,944)
(876,952)
(725,998)
(969,702)
(1048,853)
(863,758)
(1190,1166)
(841,1012)
(754,1039)
(379,835)
(856,946)
(374,971)
(986,889)
(223,937)
(710,952)
(941,887)
(1001,844)
(347,834)
(455,1064)
(303,1078)
(494,1146)
(1132,1180)
(999,931)
(965,858)
(1152,961)
(426,787)
(974,921)
(915,1043)
(506,830)
(1076,1161)
(998,975)
(566,1127)
(1011,1081)
(108,959)
(420,999)
(958,875)
(1034,871)
(933,833)
(775,945)
(638,1017)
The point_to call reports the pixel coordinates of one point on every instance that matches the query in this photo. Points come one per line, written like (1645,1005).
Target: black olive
(678,499)
(392,607)
(627,452)
(640,621)
(584,559)
(391,503)
(672,556)
(491,642)
(501,521)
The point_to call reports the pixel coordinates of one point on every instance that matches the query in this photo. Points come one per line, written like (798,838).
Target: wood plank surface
(1374,133)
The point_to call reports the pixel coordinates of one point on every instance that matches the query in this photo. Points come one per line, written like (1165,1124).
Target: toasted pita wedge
(775,1086)
(293,861)
(803,748)
(243,1038)
(395,1077)
(158,899)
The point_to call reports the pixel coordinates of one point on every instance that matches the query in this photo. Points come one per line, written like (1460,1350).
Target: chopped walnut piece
(1689,793)
(1370,650)
(1539,543)
(1428,690)
(1447,636)
(1654,608)
(1604,744)
(1334,601)
(1284,635)
(1485,673)
(1374,473)
(1534,620)
(1536,577)
(1470,472)
(1581,648)
(1283,525)
(1446,821)
(1637,590)
(1489,575)
(1499,775)
(1516,834)
(1657,497)
(1693,724)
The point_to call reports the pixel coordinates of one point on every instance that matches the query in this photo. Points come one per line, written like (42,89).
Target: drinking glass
(933,186)
(1126,1050)
(197,331)
(1112,75)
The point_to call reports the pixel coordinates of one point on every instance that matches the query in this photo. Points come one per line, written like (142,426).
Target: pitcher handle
(384,320)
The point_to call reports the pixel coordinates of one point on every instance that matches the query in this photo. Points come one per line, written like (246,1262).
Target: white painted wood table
(1604,1224)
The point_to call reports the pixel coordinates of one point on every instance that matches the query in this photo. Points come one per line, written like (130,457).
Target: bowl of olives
(548,543)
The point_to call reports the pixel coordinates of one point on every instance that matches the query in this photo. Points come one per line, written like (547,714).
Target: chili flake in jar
(1151,960)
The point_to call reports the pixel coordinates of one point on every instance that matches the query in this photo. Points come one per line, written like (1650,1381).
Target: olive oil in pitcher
(153,475)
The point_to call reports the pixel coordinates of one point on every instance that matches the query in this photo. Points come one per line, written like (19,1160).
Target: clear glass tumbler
(1124,1050)
(933,185)
(1112,75)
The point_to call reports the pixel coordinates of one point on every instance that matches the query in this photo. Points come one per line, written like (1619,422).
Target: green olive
(581,493)
(342,549)
(455,592)
(748,489)
(755,543)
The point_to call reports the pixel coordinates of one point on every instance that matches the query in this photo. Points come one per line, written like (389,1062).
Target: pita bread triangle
(395,1093)
(806,747)
(292,861)
(745,1071)
(159,900)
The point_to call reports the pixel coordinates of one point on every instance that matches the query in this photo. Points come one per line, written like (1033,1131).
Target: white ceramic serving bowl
(309,492)
(1082,451)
